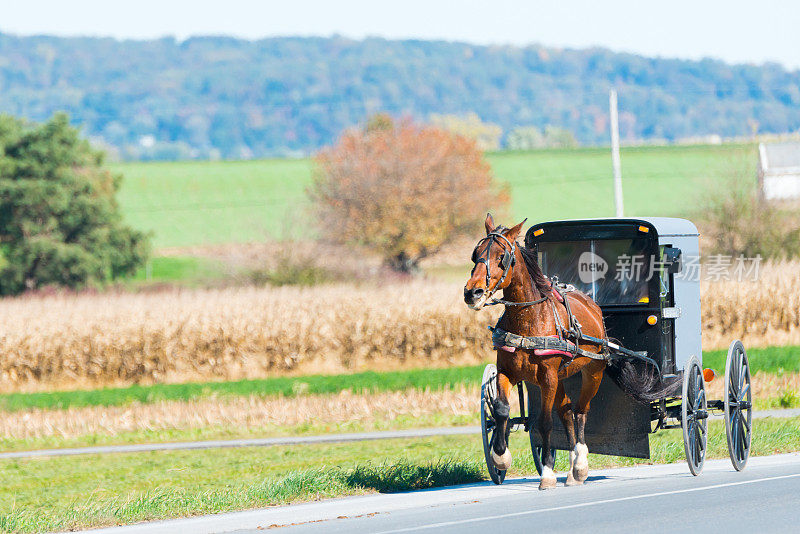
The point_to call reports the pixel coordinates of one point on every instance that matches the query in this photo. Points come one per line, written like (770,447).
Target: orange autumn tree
(402,189)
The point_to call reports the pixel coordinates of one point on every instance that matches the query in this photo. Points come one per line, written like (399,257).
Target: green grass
(657,181)
(770,360)
(286,386)
(46,494)
(196,203)
(181,269)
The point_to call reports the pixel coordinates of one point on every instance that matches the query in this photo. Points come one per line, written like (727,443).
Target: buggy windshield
(611,271)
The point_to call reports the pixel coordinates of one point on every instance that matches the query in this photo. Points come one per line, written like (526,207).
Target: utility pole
(612,102)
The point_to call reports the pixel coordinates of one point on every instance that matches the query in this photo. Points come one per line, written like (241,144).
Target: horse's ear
(489,223)
(513,233)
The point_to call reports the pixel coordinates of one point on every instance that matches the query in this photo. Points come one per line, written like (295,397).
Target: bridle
(507,261)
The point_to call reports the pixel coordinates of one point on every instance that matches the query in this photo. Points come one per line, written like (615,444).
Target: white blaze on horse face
(477,305)
(487,294)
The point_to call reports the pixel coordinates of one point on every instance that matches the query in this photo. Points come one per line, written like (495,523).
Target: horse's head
(494,258)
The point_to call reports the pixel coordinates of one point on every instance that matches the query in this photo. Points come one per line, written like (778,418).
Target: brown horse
(502,264)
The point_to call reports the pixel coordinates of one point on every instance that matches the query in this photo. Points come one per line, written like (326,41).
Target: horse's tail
(641,380)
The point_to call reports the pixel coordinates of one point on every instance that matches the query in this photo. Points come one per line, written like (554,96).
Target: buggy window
(611,271)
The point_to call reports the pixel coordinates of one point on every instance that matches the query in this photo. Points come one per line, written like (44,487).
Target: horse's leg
(591,376)
(563,407)
(501,456)
(548,385)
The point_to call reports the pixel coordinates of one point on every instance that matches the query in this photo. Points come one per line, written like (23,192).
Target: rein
(495,301)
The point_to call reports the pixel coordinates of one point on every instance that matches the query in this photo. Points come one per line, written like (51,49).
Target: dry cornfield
(89,340)
(259,413)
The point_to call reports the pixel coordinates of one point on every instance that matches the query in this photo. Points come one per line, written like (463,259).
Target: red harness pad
(551,352)
(538,352)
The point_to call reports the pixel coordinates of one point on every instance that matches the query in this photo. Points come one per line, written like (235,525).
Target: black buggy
(644,275)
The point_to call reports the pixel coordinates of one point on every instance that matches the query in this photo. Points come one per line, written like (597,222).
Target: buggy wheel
(488,394)
(738,403)
(536,449)
(694,416)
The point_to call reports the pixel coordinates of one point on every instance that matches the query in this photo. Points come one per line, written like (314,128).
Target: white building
(779,170)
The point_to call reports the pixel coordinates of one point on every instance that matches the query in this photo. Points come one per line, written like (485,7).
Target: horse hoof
(502,462)
(580,470)
(548,479)
(571,480)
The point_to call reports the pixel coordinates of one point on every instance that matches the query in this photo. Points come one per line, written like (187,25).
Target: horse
(535,309)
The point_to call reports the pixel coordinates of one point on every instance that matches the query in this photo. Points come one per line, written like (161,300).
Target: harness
(559,344)
(567,339)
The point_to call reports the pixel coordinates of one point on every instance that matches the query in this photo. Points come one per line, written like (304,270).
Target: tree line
(220,97)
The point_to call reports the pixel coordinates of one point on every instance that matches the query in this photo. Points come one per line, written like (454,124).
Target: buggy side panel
(617,425)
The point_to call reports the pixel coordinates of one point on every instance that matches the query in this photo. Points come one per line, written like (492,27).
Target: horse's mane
(540,281)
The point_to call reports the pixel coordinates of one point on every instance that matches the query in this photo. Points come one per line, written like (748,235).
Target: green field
(196,203)
(773,360)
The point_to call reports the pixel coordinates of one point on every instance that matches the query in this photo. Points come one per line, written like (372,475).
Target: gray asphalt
(662,498)
(256,442)
(269,442)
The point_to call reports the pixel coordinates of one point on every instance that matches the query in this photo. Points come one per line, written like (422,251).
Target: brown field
(261,413)
(87,340)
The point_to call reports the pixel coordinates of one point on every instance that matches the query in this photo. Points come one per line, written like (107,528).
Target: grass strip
(772,360)
(363,382)
(71,493)
(309,484)
(775,360)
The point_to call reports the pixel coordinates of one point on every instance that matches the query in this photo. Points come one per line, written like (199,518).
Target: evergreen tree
(59,219)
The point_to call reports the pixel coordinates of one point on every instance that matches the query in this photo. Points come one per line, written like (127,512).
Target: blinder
(507,257)
(507,260)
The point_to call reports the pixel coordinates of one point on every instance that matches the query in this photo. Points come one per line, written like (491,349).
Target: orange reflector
(709,375)
(644,300)
(652,320)
(644,229)
(538,232)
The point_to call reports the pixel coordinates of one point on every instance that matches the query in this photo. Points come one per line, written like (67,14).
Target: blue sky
(734,30)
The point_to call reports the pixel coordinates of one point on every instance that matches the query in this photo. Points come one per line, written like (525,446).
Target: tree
(525,138)
(403,191)
(556,137)
(485,134)
(59,220)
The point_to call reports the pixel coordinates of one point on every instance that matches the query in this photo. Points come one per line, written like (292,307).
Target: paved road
(663,498)
(268,442)
(257,442)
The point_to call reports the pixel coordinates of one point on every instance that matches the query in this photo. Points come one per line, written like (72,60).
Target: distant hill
(232,98)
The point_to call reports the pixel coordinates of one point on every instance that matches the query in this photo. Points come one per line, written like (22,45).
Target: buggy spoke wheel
(694,413)
(738,403)
(488,428)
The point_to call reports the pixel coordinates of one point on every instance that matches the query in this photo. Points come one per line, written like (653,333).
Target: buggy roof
(665,226)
